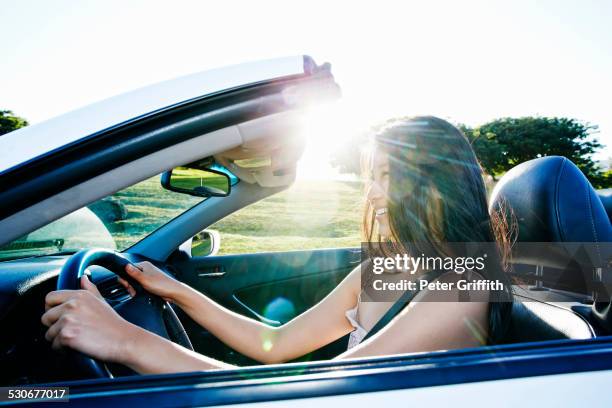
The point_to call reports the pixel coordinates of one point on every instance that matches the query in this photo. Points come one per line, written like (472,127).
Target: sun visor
(272,146)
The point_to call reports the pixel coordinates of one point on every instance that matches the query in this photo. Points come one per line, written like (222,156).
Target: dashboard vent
(112,290)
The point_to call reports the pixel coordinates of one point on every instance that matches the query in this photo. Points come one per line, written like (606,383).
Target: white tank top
(359,332)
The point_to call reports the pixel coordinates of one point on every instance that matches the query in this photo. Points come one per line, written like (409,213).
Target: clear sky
(467,61)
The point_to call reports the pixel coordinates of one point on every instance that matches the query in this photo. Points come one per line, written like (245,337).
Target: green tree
(10,122)
(503,143)
(489,152)
(602,179)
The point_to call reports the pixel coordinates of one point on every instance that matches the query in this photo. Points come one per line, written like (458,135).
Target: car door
(278,257)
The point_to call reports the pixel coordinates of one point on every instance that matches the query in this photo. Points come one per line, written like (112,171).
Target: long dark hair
(437,195)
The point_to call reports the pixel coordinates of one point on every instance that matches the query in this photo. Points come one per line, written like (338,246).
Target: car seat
(551,201)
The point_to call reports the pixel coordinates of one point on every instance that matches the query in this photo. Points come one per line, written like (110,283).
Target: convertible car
(76,196)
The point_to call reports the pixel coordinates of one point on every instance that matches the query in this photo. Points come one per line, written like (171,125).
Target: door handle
(355,256)
(215,271)
(211,274)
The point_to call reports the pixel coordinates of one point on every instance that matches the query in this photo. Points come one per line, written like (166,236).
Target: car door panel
(270,287)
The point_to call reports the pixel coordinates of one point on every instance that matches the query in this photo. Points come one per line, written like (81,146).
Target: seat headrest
(552,202)
(606,199)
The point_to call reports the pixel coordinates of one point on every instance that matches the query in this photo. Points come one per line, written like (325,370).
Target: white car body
(531,392)
(47,136)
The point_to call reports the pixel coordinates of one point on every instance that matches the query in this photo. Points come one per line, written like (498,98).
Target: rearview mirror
(200,182)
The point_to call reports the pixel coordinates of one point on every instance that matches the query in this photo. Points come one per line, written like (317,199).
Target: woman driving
(424,185)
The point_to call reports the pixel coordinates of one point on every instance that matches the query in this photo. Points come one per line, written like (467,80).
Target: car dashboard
(25,356)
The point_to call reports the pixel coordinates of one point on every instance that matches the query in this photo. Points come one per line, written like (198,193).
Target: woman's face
(378,191)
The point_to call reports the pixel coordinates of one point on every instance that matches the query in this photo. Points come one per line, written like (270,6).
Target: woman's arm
(148,353)
(82,320)
(318,326)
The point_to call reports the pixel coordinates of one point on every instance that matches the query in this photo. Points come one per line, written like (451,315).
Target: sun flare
(327,129)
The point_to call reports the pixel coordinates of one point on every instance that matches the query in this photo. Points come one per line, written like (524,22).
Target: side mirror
(200,182)
(205,243)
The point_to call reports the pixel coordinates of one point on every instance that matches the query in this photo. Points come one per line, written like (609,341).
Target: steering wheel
(144,309)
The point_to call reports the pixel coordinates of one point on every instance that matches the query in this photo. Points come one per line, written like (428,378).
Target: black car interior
(552,201)
(550,198)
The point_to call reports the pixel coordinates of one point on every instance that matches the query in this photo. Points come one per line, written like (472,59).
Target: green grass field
(311,214)
(148,206)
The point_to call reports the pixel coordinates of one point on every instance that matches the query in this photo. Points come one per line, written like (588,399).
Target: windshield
(115,222)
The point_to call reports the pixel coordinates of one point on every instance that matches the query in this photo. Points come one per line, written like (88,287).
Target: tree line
(503,143)
(10,122)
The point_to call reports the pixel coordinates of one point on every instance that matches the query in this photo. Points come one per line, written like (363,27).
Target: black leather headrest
(606,199)
(552,202)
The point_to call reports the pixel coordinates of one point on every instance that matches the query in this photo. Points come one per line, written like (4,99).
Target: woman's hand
(82,320)
(153,280)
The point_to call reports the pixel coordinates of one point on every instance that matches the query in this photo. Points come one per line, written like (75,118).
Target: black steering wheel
(144,309)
